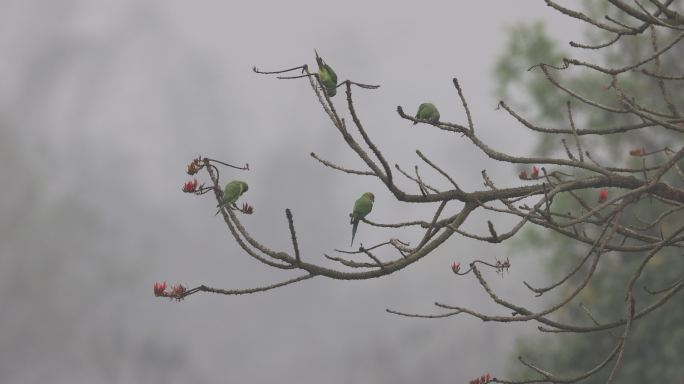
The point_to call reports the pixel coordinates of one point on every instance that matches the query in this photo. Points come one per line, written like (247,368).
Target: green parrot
(327,76)
(427,111)
(362,207)
(231,193)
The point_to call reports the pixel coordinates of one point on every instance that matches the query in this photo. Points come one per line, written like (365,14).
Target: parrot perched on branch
(327,77)
(231,193)
(362,207)
(427,111)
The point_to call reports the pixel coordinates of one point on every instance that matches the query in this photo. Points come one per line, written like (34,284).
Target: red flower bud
(603,195)
(481,380)
(535,172)
(247,209)
(194,167)
(159,289)
(523,175)
(456,267)
(638,152)
(177,290)
(190,186)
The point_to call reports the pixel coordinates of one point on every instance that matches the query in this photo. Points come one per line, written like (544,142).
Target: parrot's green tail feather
(319,61)
(355,224)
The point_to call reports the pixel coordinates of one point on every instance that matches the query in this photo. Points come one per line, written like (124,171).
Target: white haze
(102,105)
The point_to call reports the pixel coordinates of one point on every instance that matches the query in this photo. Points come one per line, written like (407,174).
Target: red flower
(638,152)
(603,195)
(190,186)
(535,172)
(456,267)
(247,209)
(523,175)
(194,167)
(481,380)
(177,290)
(159,289)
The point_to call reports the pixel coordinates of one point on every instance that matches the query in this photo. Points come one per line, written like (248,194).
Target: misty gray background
(103,104)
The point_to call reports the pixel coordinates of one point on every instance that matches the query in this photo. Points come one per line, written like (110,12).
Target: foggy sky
(102,105)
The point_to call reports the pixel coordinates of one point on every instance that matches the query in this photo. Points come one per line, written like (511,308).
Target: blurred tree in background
(657,342)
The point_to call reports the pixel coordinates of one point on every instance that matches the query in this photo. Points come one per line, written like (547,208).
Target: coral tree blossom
(159,289)
(603,195)
(190,186)
(535,171)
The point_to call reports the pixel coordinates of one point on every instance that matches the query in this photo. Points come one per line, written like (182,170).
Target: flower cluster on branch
(597,221)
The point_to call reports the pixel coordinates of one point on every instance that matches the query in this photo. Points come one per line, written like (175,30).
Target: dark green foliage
(655,348)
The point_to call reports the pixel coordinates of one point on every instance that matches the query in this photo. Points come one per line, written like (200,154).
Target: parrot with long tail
(362,207)
(327,76)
